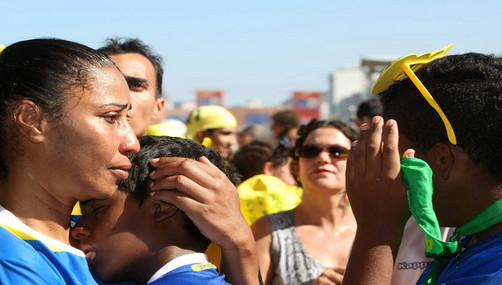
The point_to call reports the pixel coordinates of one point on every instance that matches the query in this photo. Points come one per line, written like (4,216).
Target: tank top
(293,264)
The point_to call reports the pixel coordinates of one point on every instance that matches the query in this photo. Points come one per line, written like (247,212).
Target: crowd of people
(96,188)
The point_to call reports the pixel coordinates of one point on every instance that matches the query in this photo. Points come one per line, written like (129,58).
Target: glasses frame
(409,64)
(320,150)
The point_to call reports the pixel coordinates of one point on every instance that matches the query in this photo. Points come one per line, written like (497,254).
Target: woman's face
(324,172)
(86,150)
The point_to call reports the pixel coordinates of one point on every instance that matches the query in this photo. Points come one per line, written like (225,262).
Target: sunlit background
(258,53)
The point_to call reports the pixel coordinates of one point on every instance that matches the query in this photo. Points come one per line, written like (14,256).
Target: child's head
(121,234)
(468,88)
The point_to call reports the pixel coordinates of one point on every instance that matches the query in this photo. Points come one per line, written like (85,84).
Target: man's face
(223,140)
(140,75)
(112,233)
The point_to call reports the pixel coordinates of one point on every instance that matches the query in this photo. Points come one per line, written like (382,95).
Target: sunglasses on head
(311,151)
(406,66)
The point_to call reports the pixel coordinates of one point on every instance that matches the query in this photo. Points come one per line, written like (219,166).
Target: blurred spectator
(313,240)
(143,72)
(169,127)
(367,110)
(285,127)
(268,185)
(213,126)
(251,132)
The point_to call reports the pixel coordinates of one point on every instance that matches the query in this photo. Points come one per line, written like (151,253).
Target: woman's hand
(211,201)
(330,276)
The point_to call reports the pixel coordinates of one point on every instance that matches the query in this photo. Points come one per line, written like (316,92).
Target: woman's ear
(442,158)
(163,211)
(268,168)
(30,120)
(201,135)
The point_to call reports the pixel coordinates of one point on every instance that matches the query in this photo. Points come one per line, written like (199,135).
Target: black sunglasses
(311,151)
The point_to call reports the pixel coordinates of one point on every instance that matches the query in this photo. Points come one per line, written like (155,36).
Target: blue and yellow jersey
(28,257)
(190,269)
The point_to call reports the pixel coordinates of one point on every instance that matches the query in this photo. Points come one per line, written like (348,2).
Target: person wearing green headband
(440,134)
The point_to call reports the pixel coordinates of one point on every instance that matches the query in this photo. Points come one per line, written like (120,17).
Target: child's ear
(443,158)
(163,211)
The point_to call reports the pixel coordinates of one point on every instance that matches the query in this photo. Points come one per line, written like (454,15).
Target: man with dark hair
(285,126)
(450,123)
(131,237)
(143,72)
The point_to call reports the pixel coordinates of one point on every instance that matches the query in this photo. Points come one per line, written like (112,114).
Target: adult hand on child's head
(330,276)
(205,194)
(211,201)
(374,185)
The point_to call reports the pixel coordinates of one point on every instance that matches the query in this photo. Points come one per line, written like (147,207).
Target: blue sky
(261,49)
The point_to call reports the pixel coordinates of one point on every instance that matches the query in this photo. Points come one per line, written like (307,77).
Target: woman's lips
(121,172)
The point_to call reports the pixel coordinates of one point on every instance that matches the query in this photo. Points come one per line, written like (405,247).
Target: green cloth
(417,176)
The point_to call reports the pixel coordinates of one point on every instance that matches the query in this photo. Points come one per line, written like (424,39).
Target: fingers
(350,171)
(390,152)
(190,177)
(409,153)
(180,200)
(373,148)
(182,184)
(330,276)
(359,152)
(196,170)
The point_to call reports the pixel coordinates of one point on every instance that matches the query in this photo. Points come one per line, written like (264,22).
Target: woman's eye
(111,118)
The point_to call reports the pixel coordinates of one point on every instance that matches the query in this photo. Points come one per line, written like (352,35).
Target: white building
(351,85)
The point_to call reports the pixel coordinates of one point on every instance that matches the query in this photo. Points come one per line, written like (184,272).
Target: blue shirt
(480,263)
(190,269)
(28,257)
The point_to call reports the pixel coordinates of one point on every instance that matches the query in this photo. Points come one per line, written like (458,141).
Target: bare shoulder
(261,228)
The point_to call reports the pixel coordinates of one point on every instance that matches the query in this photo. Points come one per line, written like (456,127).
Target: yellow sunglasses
(405,67)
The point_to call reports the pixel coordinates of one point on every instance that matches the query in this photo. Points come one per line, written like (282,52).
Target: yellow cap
(170,127)
(208,117)
(2,47)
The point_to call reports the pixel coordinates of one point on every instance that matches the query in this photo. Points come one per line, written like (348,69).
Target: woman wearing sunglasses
(311,243)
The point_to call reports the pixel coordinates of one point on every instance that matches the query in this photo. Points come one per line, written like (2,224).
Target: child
(131,237)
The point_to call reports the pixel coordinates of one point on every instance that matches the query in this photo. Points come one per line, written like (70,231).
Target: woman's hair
(315,124)
(44,71)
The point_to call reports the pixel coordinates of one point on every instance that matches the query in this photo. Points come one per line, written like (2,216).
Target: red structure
(307,105)
(209,97)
